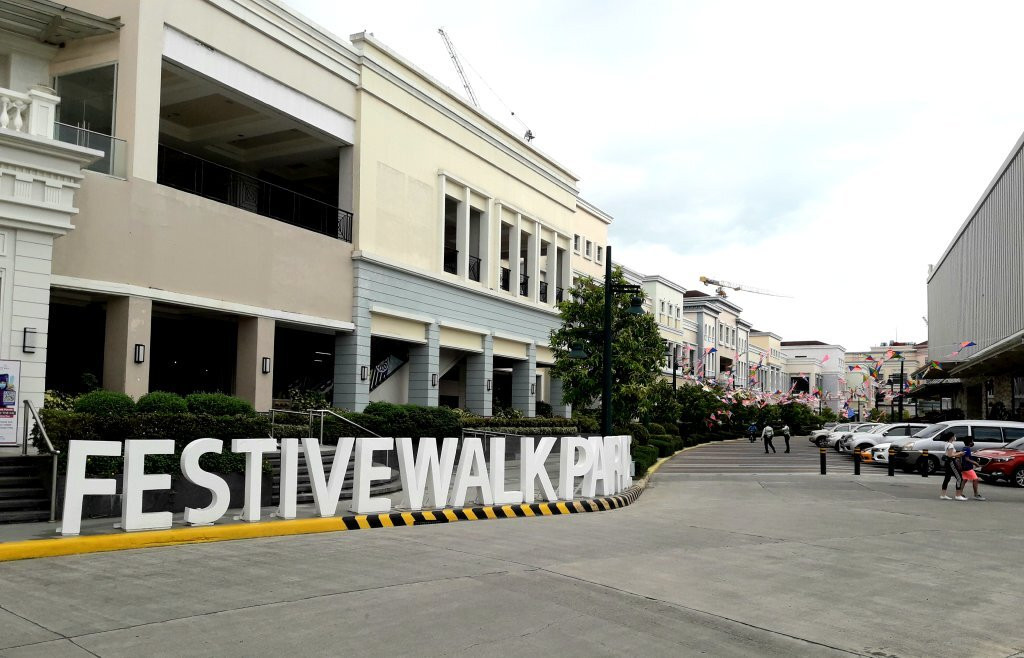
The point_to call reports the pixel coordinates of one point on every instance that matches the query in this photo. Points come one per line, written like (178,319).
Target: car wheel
(820,443)
(1018,478)
(933,465)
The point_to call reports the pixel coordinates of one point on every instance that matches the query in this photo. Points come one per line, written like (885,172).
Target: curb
(36,548)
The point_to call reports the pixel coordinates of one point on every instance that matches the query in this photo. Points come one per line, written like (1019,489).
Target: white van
(986,434)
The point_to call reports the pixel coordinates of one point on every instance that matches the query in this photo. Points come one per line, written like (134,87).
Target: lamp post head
(636,305)
(577,351)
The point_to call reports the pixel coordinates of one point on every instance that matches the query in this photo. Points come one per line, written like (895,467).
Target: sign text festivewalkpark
(603,463)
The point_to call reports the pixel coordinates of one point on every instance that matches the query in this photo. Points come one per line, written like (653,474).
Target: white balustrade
(33,113)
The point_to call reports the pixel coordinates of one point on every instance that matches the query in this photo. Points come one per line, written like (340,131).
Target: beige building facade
(268,207)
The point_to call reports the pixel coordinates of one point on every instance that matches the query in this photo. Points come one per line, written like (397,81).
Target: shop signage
(10,384)
(431,477)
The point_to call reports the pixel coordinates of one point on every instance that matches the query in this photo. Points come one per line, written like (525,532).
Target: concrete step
(23,492)
(11,481)
(24,516)
(18,469)
(24,504)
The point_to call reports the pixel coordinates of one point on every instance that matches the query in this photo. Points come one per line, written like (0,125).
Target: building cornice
(594,210)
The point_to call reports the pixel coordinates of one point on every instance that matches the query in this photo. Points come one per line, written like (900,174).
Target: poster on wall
(10,384)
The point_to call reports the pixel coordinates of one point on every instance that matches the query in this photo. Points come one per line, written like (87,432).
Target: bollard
(892,463)
(856,462)
(821,454)
(924,463)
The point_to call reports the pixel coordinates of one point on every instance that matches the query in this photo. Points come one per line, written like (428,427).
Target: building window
(576,243)
(588,249)
(85,115)
(600,253)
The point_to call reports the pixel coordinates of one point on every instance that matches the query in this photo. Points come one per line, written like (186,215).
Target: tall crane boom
(722,285)
(458,67)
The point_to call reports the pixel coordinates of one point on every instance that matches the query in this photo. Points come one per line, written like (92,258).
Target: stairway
(23,494)
(305,487)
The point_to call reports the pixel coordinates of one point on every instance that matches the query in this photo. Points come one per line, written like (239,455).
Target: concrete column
(480,373)
(462,234)
(552,269)
(559,408)
(524,376)
(533,263)
(351,352)
(514,247)
(255,342)
(129,323)
(424,362)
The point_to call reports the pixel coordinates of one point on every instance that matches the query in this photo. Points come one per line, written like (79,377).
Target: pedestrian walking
(967,464)
(767,434)
(951,460)
(752,432)
(785,435)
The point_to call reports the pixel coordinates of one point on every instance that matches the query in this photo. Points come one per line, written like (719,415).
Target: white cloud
(824,150)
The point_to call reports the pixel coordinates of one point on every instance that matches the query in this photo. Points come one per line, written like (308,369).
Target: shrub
(58,400)
(306,399)
(587,424)
(664,449)
(644,456)
(655,428)
(544,409)
(162,403)
(217,404)
(522,423)
(63,426)
(105,403)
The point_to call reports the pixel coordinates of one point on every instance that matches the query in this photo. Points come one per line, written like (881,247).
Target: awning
(49,22)
(1005,357)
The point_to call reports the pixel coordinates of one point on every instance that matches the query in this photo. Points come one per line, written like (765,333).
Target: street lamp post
(635,308)
(901,391)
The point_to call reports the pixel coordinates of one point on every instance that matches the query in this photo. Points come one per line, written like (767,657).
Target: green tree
(637,349)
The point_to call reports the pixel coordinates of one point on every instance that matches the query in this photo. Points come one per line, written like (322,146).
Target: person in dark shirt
(968,462)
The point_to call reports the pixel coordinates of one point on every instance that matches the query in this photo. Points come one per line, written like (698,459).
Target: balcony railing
(451,260)
(543,292)
(192,174)
(504,277)
(559,295)
(524,285)
(114,150)
(474,268)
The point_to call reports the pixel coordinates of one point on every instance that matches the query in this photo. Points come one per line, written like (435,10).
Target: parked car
(861,439)
(1005,463)
(986,434)
(880,451)
(832,440)
(817,435)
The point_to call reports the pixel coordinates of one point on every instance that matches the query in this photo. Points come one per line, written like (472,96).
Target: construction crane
(458,67)
(722,285)
(528,136)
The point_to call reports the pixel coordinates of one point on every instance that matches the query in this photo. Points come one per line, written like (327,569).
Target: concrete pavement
(722,564)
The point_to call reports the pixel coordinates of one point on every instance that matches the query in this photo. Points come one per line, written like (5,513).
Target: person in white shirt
(768,434)
(951,458)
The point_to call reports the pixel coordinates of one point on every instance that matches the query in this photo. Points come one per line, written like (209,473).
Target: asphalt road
(722,563)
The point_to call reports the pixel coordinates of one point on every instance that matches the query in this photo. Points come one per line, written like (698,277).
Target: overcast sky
(827,151)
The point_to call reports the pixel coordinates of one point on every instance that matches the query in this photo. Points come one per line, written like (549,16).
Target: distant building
(825,362)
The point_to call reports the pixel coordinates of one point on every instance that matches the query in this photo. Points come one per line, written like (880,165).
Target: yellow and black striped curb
(34,548)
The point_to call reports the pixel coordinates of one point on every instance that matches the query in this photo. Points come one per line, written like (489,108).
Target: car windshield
(930,431)
(866,428)
(1016,445)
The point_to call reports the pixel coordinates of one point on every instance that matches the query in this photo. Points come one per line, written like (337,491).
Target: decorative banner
(826,358)
(10,384)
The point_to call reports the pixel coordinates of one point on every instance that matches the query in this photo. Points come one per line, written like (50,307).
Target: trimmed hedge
(161,402)
(105,403)
(217,404)
(655,428)
(644,456)
(520,423)
(62,426)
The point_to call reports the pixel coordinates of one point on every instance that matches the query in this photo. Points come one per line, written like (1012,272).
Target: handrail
(55,454)
(337,415)
(354,424)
